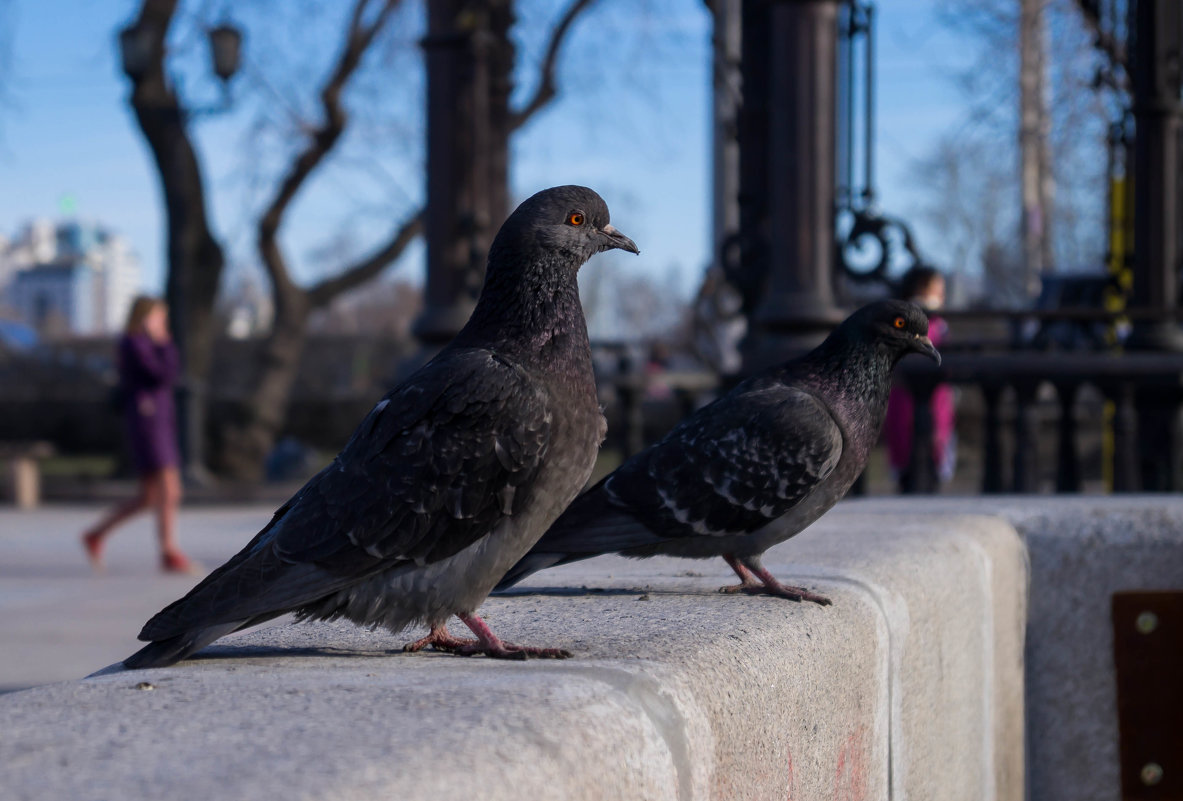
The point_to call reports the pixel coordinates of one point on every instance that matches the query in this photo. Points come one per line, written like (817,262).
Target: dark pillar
(920,476)
(1126,473)
(787,174)
(1068,474)
(1026,456)
(992,481)
(1157,54)
(727,88)
(469,58)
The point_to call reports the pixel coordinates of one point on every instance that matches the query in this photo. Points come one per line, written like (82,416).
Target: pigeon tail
(584,531)
(532,562)
(171,650)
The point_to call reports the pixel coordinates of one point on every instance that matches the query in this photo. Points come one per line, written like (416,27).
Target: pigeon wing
(432,469)
(733,467)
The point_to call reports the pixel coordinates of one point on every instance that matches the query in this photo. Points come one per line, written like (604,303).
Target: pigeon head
(898,326)
(568,221)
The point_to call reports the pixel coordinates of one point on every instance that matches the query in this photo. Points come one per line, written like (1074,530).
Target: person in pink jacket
(924,286)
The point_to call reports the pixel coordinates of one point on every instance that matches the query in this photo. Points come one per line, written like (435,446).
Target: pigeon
(754,467)
(450,478)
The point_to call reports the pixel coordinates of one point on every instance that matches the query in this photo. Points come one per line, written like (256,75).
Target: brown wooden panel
(1148,653)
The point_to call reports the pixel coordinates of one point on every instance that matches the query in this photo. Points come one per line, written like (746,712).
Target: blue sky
(632,122)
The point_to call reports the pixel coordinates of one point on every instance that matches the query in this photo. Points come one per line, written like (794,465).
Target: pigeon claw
(750,589)
(778,590)
(519,653)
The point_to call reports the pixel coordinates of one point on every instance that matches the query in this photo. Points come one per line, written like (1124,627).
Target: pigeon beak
(922,344)
(618,240)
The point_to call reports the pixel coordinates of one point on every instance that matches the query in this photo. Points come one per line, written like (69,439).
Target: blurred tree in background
(1036,122)
(470,60)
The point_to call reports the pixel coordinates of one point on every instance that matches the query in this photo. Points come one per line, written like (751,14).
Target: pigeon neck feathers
(852,372)
(530,311)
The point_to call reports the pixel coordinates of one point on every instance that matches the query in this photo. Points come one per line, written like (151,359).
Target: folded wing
(432,469)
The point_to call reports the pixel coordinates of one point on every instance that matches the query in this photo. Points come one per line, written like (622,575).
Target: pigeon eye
(899,322)
(575,218)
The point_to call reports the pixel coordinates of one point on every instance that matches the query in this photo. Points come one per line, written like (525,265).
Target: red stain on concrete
(792,784)
(850,775)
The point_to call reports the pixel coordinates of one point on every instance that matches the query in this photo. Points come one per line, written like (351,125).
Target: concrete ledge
(1082,551)
(909,686)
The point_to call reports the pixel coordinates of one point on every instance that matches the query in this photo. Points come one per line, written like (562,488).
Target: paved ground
(60,621)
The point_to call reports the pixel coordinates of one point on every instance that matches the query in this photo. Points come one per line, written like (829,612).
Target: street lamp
(225,46)
(136,46)
(140,46)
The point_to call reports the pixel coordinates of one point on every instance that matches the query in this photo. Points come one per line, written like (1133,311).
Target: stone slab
(1082,550)
(909,686)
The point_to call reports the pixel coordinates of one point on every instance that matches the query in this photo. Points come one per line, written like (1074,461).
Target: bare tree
(195,256)
(969,196)
(244,444)
(1036,180)
(465,214)
(1035,116)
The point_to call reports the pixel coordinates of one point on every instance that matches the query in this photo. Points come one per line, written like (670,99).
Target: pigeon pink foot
(491,645)
(761,582)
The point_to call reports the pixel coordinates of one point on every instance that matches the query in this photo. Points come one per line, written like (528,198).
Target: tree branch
(323,138)
(547,90)
(1103,38)
(360,272)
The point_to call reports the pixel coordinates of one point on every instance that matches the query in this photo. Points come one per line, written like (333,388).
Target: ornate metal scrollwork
(870,244)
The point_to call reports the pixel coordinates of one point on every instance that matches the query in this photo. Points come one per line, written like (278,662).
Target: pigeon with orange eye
(754,467)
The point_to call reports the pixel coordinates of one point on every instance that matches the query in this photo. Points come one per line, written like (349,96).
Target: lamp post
(787,132)
(469,58)
(1158,121)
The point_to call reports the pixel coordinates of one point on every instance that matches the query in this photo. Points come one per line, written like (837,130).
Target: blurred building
(69,277)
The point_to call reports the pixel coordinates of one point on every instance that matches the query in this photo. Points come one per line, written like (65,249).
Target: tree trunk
(470,60)
(195,258)
(247,438)
(1036,177)
(469,78)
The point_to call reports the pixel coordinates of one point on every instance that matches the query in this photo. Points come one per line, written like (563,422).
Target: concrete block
(909,686)
(1082,550)
(1080,555)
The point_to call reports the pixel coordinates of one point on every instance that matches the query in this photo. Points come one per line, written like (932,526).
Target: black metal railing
(1135,404)
(1145,390)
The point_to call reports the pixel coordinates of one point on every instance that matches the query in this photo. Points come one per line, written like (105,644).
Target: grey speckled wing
(431,469)
(733,467)
(730,469)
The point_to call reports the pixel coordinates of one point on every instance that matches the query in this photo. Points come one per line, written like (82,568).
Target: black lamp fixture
(136,43)
(225,45)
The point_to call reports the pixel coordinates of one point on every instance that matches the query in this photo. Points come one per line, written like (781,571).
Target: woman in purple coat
(148,369)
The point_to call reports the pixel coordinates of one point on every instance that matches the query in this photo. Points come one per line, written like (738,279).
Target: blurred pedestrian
(924,286)
(148,369)
(719,324)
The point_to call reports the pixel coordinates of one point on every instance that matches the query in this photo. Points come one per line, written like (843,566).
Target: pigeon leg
(489,644)
(440,639)
(758,581)
(750,584)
